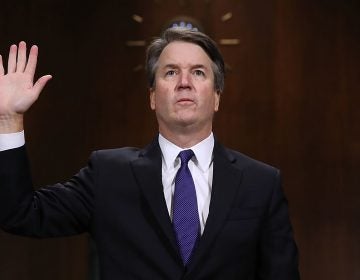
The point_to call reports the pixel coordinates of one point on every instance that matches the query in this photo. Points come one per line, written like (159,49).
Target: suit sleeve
(59,210)
(279,255)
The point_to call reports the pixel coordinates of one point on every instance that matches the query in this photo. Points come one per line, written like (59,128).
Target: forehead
(184,53)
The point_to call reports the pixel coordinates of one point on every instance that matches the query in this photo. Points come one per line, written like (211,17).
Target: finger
(32,61)
(40,84)
(12,59)
(1,67)
(21,58)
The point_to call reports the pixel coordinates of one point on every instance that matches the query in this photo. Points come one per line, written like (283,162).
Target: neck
(185,138)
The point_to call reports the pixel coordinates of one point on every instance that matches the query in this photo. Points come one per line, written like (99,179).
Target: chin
(186,120)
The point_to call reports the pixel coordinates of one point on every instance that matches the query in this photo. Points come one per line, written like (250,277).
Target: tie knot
(185,156)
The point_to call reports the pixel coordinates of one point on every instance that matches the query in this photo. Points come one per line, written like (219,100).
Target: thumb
(40,84)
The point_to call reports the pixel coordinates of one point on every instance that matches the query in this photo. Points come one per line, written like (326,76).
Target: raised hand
(17,88)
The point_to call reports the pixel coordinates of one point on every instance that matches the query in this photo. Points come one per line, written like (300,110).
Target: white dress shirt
(11,140)
(201,168)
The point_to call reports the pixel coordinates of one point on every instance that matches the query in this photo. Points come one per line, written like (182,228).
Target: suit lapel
(226,181)
(147,170)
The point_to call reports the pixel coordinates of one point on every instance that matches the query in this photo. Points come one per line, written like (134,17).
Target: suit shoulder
(246,162)
(118,154)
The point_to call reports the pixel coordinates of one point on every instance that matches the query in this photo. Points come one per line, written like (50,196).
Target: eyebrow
(171,65)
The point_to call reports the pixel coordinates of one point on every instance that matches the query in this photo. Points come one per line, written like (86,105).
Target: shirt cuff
(12,140)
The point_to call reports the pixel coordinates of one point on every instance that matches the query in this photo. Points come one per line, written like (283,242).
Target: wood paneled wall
(291,99)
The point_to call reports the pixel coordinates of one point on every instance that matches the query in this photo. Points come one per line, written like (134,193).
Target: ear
(152,98)
(217,101)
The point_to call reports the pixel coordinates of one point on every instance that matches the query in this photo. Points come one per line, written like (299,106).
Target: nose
(184,81)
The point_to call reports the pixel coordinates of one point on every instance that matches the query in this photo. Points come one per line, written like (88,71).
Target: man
(185,207)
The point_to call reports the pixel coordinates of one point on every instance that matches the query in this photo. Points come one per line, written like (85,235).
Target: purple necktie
(185,211)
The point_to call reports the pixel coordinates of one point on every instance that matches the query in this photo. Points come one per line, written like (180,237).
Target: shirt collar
(203,152)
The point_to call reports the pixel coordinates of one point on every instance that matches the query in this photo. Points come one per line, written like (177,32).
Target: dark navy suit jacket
(118,198)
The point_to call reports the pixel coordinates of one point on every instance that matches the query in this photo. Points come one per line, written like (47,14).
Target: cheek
(160,99)
(211,100)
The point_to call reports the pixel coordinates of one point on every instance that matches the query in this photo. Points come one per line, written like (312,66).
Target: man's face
(184,94)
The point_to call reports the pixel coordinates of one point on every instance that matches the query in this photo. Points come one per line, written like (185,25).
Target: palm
(17,91)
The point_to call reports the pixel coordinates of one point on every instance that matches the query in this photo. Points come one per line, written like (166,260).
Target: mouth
(185,101)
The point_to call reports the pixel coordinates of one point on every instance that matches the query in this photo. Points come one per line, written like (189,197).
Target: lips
(185,101)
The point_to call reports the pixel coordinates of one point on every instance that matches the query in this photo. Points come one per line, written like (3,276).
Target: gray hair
(156,47)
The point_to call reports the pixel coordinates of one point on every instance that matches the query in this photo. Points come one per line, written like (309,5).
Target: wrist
(11,124)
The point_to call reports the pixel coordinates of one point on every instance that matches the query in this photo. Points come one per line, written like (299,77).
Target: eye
(170,73)
(198,72)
